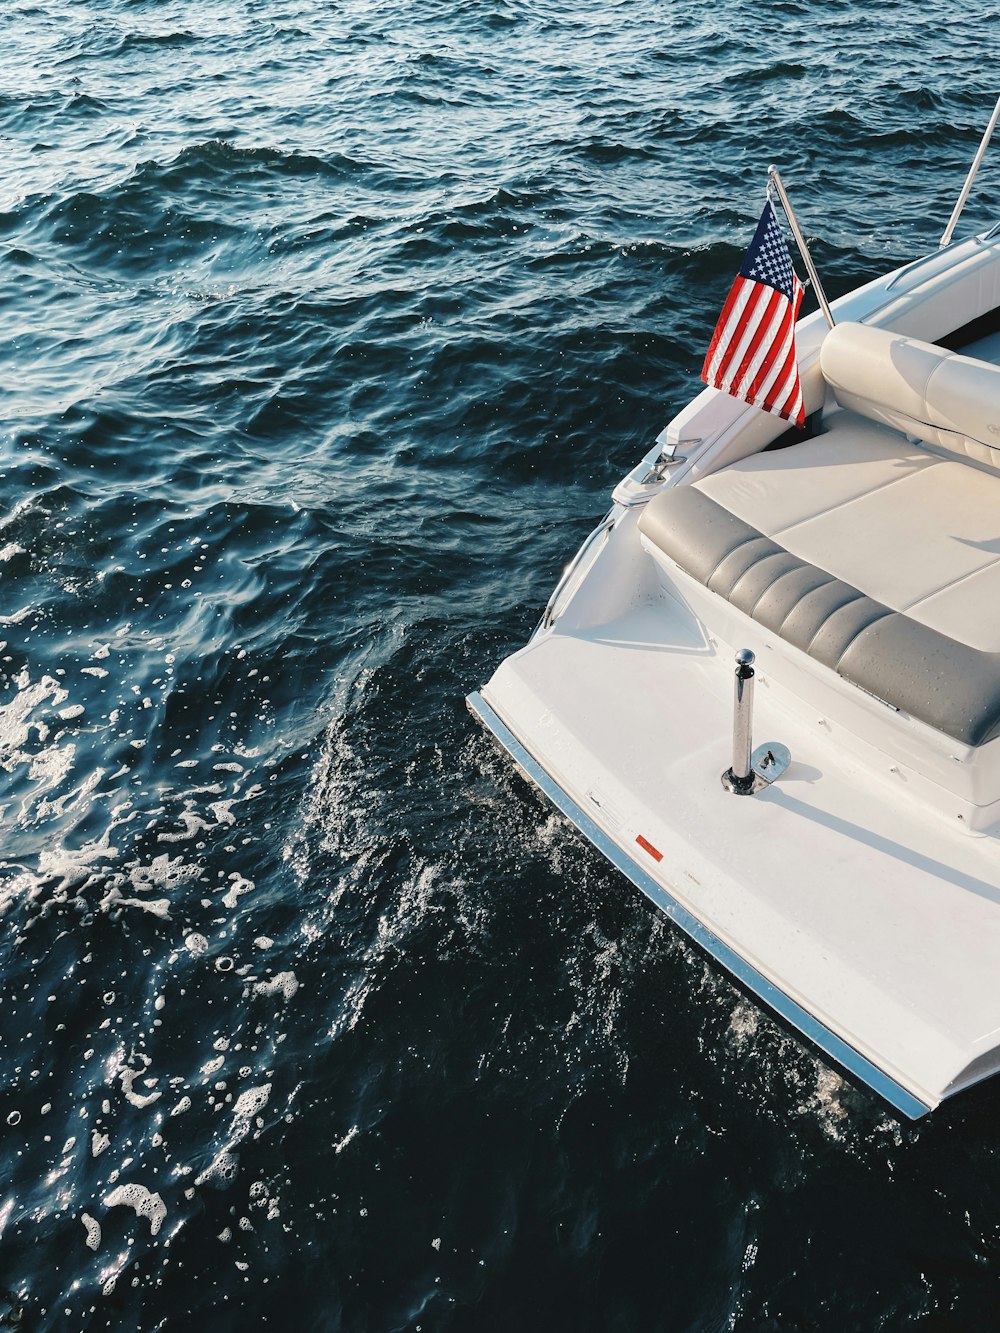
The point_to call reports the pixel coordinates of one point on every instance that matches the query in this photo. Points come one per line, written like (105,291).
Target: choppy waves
(327,331)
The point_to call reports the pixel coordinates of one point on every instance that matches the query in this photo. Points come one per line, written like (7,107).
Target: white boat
(857,892)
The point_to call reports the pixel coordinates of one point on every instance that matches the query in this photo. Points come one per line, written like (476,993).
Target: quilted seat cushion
(878,559)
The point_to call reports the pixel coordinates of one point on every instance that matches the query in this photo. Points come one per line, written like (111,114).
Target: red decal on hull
(648,847)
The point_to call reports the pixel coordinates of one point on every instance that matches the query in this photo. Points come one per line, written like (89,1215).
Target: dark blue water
(326,329)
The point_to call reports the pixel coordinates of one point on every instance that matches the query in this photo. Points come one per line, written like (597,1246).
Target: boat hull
(849,1060)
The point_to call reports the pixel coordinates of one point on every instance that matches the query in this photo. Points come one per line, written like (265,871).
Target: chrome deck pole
(775,179)
(957,210)
(740,778)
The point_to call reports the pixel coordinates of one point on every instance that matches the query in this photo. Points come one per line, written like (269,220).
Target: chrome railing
(976,161)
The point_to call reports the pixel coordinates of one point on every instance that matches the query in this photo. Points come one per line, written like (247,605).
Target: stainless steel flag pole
(775,179)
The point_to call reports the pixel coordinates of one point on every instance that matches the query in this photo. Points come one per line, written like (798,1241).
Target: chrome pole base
(739,786)
(768,763)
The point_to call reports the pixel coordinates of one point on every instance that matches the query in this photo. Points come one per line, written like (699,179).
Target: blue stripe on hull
(799,1018)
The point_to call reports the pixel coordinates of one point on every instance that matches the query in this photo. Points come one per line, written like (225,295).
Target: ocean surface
(327,328)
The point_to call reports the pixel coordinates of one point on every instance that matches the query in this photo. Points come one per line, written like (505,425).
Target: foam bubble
(251,1102)
(284,984)
(93,1232)
(144,1204)
(223,1166)
(744,1021)
(237,889)
(826,1105)
(192,824)
(128,1077)
(155,906)
(352,1133)
(223,810)
(163,873)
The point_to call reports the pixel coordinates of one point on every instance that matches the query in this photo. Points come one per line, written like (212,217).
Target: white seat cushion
(948,401)
(914,531)
(854,458)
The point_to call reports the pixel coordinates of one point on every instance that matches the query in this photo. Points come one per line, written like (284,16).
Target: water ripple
(327,332)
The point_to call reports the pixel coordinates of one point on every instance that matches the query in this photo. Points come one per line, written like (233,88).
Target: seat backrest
(948,401)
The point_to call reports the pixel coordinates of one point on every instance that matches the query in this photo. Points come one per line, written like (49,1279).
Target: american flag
(752,352)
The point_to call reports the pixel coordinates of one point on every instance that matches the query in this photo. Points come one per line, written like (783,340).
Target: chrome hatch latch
(751,770)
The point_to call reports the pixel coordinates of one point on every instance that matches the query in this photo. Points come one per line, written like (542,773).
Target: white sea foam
(142,1201)
(825,1103)
(155,906)
(192,822)
(164,873)
(352,1133)
(223,1166)
(223,810)
(237,889)
(16,723)
(128,1077)
(283,984)
(93,1241)
(744,1022)
(251,1102)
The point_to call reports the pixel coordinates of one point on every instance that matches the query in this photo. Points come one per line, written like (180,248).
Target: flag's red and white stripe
(752,352)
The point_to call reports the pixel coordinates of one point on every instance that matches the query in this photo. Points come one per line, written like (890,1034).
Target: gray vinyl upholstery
(945,683)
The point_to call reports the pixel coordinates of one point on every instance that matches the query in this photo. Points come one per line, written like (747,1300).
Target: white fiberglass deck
(894,946)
